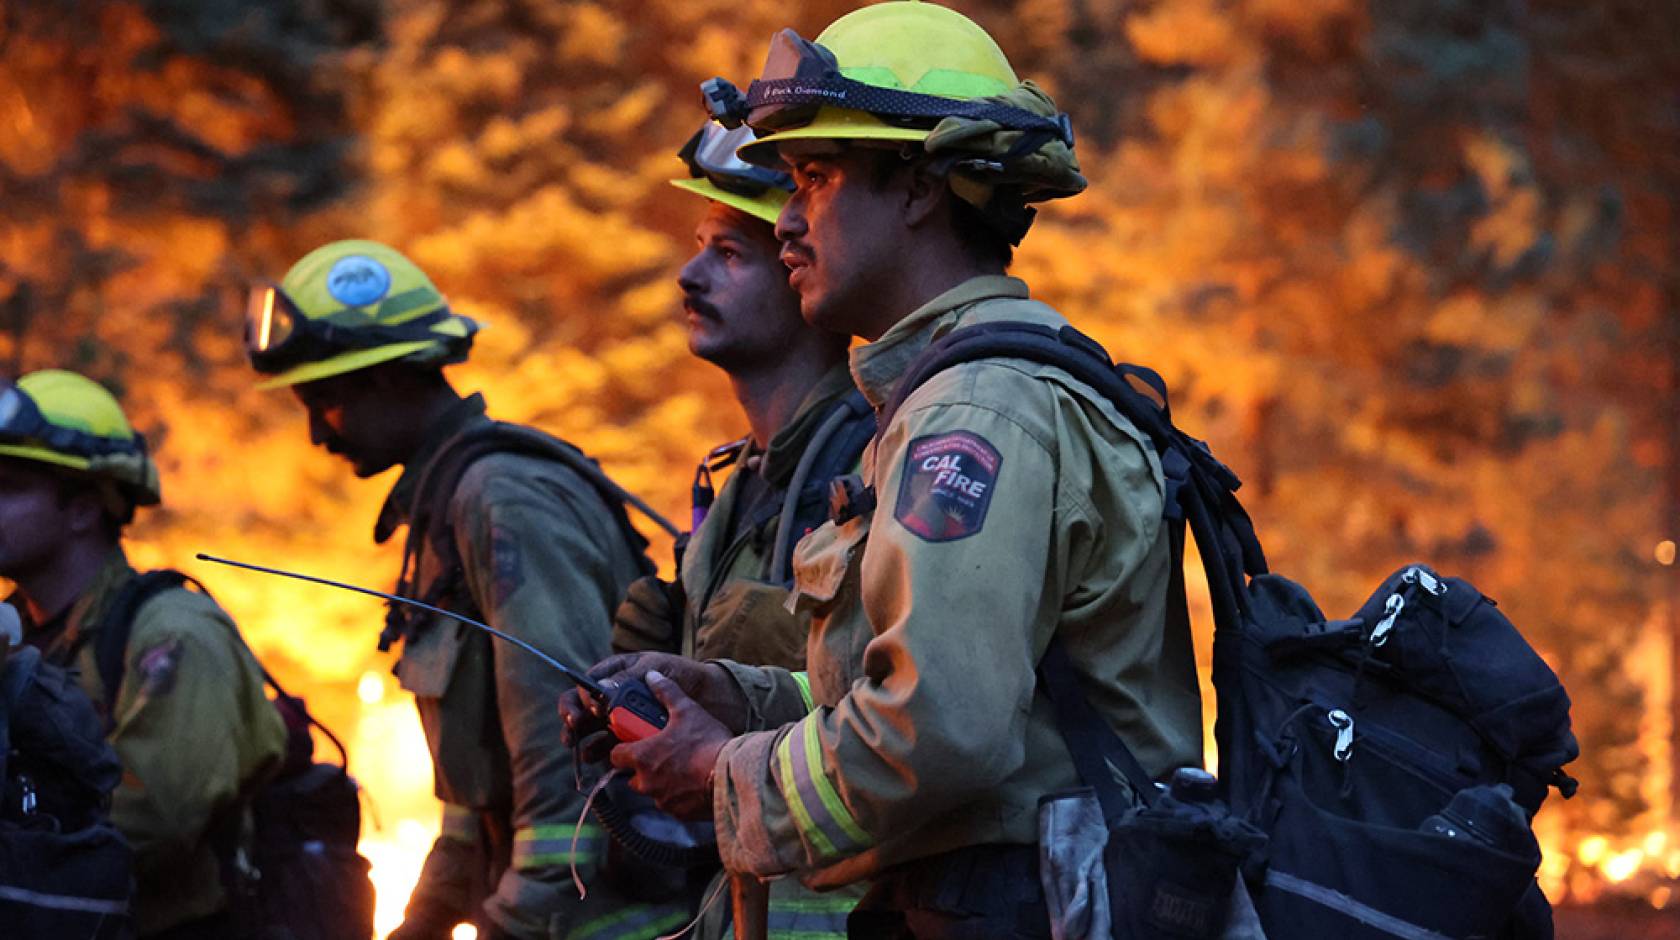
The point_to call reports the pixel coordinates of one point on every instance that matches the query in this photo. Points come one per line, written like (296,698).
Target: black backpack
(65,871)
(1393,759)
(298,876)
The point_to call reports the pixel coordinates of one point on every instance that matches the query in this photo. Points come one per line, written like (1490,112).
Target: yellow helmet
(346,306)
(892,71)
(716,173)
(70,421)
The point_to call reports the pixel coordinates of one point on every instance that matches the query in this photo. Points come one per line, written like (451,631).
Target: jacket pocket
(821,561)
(428,658)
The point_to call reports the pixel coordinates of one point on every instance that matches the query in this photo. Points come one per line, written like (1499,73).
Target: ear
(926,193)
(84,512)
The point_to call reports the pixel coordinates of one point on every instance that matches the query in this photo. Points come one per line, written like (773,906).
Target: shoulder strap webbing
(1193,473)
(437,486)
(17,671)
(1092,743)
(1200,491)
(117,625)
(833,451)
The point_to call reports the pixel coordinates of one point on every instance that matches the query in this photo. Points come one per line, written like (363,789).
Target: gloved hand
(650,617)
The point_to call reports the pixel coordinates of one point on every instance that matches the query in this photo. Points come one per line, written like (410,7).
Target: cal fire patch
(947,485)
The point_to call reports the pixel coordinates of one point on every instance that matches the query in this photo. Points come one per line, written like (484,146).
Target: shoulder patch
(947,485)
(508,560)
(157,666)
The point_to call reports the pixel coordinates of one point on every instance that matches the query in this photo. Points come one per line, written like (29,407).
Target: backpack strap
(832,452)
(116,625)
(17,671)
(1194,477)
(437,486)
(1200,491)
(1092,743)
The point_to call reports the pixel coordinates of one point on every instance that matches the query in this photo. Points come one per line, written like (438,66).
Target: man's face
(840,234)
(738,307)
(33,517)
(350,416)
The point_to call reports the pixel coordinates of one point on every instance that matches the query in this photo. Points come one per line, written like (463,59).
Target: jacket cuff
(747,808)
(774,696)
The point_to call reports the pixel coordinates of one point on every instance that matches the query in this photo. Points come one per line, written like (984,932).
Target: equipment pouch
(1173,869)
(1168,871)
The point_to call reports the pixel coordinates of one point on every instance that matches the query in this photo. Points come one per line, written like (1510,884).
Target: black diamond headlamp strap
(764,97)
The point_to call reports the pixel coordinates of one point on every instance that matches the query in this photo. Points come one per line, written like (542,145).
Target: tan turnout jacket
(1013,503)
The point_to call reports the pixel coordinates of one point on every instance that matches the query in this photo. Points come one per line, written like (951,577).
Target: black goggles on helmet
(21,422)
(278,336)
(800,77)
(710,155)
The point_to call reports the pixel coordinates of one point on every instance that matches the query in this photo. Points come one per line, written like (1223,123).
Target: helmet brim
(340,364)
(829,124)
(43,455)
(766,206)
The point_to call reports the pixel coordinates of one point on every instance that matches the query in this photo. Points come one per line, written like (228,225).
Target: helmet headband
(21,422)
(801,77)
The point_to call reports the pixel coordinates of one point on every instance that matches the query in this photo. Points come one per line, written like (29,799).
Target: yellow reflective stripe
(803,680)
(826,792)
(817,810)
(544,846)
(459,823)
(637,921)
(790,793)
(809,918)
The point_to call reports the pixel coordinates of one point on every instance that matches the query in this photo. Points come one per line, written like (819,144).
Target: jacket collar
(878,366)
(398,508)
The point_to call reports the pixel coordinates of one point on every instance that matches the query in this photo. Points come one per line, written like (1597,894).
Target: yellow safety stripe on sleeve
(822,818)
(460,824)
(547,846)
(634,922)
(804,681)
(809,918)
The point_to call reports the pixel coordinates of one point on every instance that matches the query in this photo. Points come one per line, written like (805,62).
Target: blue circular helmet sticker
(357,280)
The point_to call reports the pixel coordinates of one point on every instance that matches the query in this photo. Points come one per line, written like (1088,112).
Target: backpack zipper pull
(1425,580)
(1343,723)
(1391,612)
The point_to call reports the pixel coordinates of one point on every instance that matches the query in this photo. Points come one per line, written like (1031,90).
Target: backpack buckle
(849,498)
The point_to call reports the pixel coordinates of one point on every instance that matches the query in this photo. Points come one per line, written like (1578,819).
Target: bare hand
(708,685)
(675,765)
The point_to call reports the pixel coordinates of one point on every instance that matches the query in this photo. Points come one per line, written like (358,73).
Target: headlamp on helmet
(724,102)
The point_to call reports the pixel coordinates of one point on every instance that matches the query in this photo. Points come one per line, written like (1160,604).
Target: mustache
(696,305)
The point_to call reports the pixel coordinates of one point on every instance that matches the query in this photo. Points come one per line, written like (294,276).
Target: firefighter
(1003,504)
(187,714)
(504,525)
(808,424)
